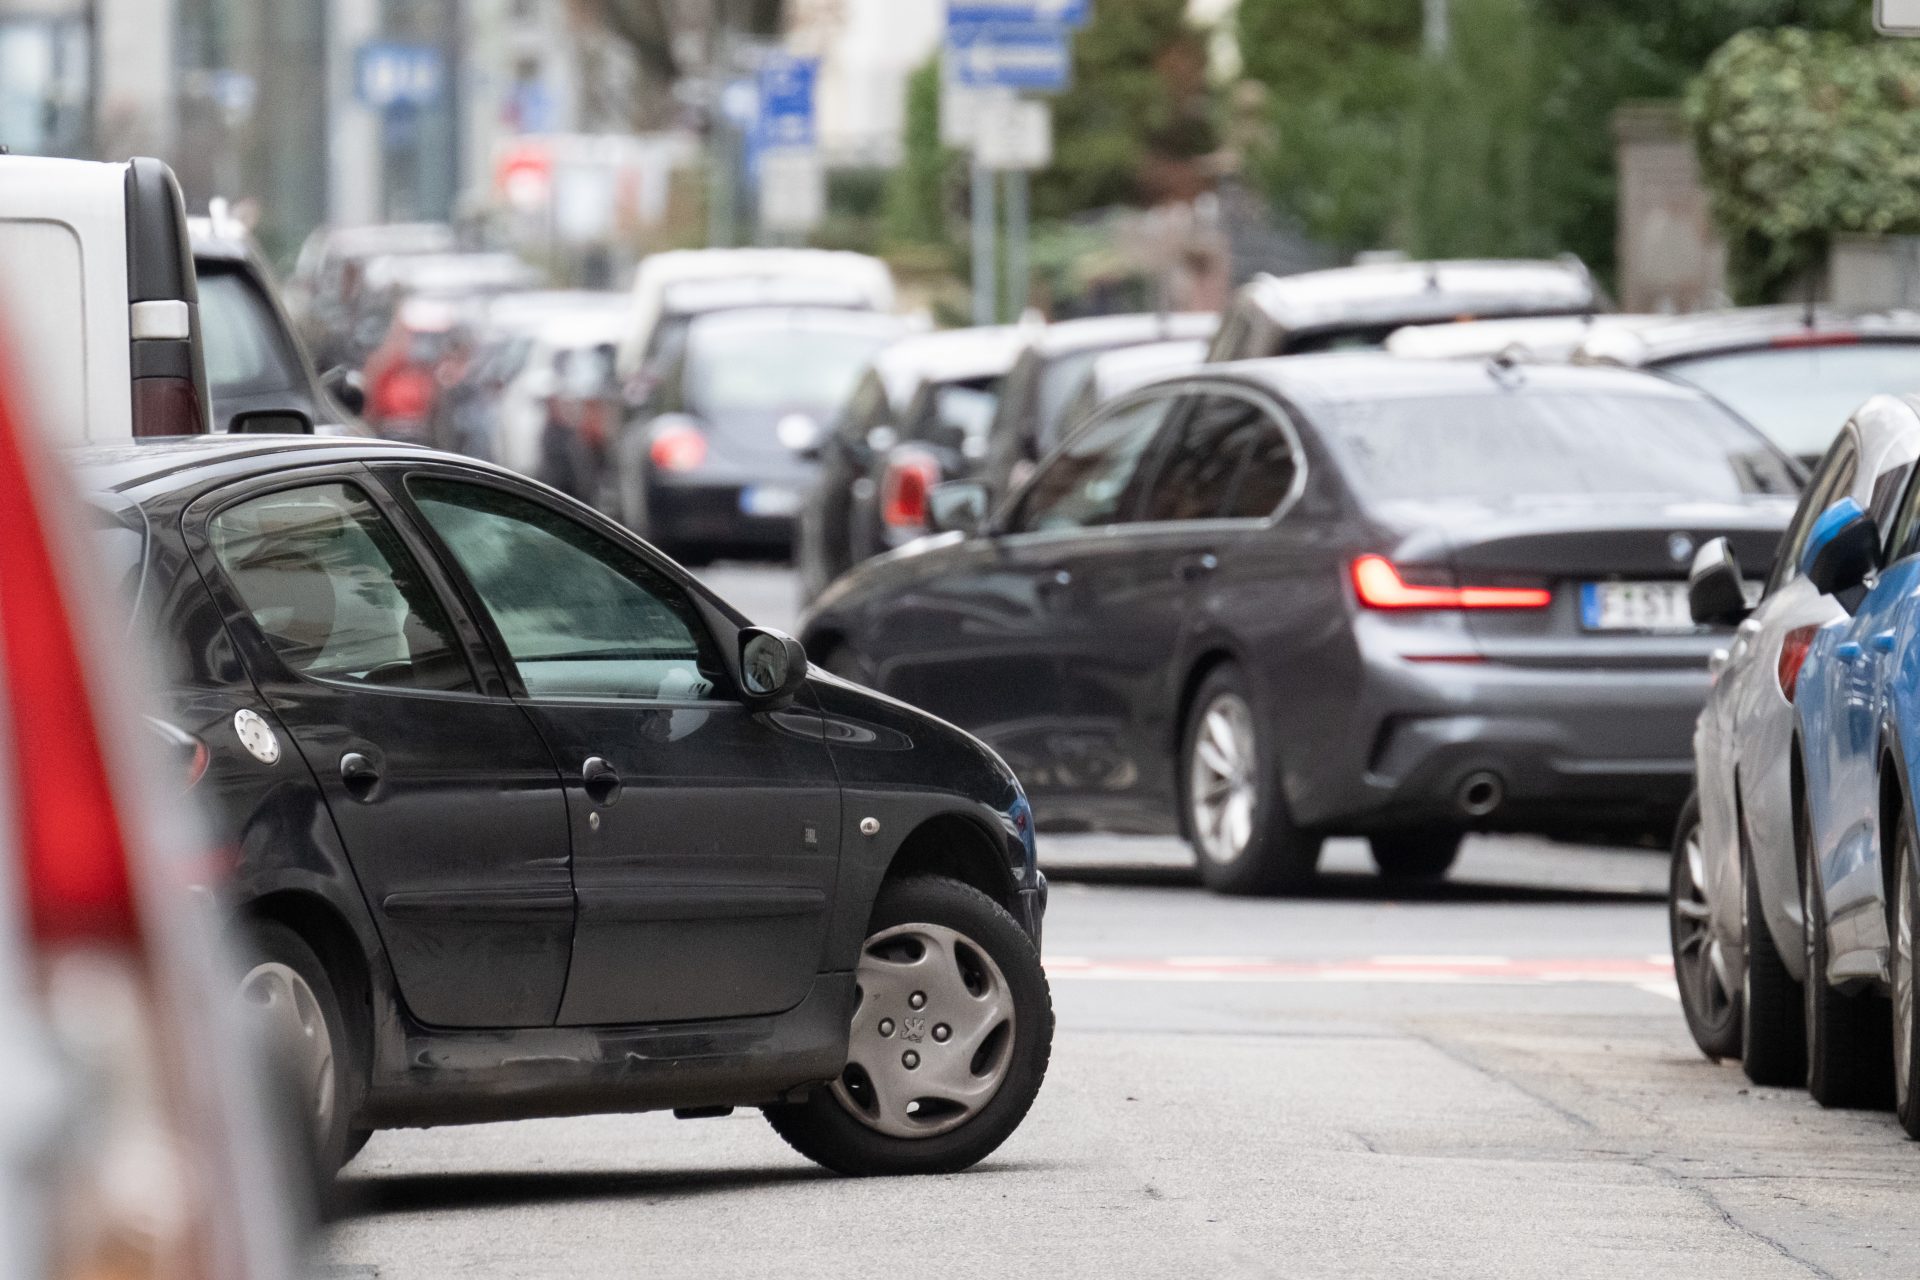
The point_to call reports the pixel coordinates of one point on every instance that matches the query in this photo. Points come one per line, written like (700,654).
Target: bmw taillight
(903,490)
(1794,648)
(1380,584)
(677,447)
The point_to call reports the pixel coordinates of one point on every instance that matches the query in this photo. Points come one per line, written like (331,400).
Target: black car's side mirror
(1716,593)
(1842,549)
(773,666)
(346,386)
(271,422)
(958,506)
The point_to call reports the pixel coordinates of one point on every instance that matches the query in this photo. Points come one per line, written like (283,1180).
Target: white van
(97,286)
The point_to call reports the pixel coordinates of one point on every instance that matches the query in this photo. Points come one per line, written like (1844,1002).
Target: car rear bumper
(715,516)
(1486,746)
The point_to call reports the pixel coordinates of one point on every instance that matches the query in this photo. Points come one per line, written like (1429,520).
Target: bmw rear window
(1547,444)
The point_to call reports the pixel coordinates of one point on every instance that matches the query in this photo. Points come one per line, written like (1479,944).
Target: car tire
(1773,1016)
(1234,815)
(1707,997)
(308,1039)
(1904,929)
(862,1125)
(1416,855)
(1846,1036)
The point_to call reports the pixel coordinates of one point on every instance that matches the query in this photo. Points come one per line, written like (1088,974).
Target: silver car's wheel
(1222,786)
(1702,967)
(933,1035)
(295,1030)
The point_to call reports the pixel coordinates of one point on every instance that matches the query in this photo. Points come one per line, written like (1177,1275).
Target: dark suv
(527,822)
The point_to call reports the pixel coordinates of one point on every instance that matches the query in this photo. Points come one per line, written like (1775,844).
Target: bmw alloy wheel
(933,1037)
(1698,956)
(1222,784)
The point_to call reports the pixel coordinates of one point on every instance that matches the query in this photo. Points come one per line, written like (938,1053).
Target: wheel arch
(323,926)
(954,845)
(1892,811)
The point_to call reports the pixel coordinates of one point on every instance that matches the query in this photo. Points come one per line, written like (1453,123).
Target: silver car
(1733,856)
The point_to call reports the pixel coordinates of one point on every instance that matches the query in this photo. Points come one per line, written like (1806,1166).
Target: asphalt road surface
(1487,1078)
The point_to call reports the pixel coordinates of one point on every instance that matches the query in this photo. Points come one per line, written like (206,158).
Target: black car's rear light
(1379,584)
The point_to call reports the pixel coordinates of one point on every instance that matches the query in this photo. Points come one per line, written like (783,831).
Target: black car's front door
(444,795)
(705,835)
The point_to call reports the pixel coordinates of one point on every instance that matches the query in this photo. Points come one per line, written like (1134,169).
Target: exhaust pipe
(1481,793)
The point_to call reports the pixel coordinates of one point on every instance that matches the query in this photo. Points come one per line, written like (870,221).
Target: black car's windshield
(1555,445)
(736,366)
(1799,396)
(242,337)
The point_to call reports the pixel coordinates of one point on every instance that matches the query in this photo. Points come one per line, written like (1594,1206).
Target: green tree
(916,204)
(1137,121)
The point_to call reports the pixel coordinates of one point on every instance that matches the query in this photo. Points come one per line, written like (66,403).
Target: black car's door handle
(602,781)
(361,775)
(1194,568)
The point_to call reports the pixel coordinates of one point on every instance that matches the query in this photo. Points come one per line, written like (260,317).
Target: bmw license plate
(1635,606)
(766,500)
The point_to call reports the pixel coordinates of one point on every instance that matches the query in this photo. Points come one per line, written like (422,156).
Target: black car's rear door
(444,794)
(705,834)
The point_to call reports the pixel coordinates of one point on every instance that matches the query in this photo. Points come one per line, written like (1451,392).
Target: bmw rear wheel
(1234,817)
(950,1039)
(1700,963)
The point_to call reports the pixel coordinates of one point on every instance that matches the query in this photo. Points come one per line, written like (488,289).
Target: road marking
(1652,974)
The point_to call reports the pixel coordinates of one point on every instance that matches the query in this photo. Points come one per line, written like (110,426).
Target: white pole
(986,277)
(1439,28)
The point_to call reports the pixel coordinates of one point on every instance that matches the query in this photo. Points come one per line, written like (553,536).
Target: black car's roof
(120,468)
(1347,378)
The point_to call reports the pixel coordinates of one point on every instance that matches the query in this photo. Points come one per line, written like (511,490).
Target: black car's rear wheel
(1700,964)
(949,1044)
(1847,1035)
(1235,817)
(290,998)
(1416,855)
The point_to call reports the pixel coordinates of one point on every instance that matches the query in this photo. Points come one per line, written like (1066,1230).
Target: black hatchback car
(1333,595)
(527,822)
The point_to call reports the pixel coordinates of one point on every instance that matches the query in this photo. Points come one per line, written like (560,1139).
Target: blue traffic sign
(1057,13)
(389,74)
(1034,58)
(786,87)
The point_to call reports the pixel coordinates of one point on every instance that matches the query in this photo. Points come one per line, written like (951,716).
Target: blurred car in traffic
(258,373)
(1539,339)
(877,464)
(1735,899)
(1115,373)
(1027,421)
(97,255)
(671,289)
(1360,307)
(518,811)
(327,289)
(569,352)
(1857,730)
(1794,373)
(134,1135)
(1282,600)
(402,375)
(723,452)
(466,280)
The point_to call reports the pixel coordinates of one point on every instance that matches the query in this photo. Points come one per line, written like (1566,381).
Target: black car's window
(580,615)
(241,335)
(1095,477)
(1834,477)
(336,593)
(750,365)
(1225,458)
(1505,446)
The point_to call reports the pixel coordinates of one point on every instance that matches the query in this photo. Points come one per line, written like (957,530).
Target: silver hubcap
(1221,779)
(296,1034)
(933,1036)
(1698,955)
(1903,978)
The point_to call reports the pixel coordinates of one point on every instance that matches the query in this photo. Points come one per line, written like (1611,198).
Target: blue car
(1857,708)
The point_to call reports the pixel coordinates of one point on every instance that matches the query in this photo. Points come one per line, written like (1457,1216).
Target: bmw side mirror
(773,666)
(1716,593)
(959,506)
(346,386)
(1842,549)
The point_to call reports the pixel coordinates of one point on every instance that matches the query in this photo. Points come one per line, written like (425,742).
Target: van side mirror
(1842,549)
(773,666)
(1716,592)
(958,506)
(346,386)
